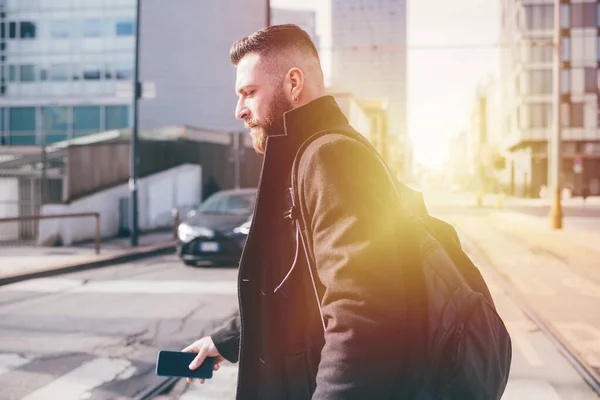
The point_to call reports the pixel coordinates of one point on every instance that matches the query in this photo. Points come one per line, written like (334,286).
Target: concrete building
(527,93)
(305,19)
(369,59)
(370,118)
(63,61)
(484,136)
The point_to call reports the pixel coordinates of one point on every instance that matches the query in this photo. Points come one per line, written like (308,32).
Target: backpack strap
(295,212)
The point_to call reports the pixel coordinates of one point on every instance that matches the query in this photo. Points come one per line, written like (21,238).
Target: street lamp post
(133,156)
(554,148)
(268,12)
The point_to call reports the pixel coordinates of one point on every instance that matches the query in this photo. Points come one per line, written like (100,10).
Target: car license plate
(209,246)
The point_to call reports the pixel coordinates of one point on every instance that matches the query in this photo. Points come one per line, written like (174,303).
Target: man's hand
(205,348)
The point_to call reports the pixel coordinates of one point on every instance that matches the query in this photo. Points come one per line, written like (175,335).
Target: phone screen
(176,363)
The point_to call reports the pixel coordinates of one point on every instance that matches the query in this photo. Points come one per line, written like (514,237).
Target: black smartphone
(177,364)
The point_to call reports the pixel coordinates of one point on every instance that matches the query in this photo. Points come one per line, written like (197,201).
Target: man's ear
(295,84)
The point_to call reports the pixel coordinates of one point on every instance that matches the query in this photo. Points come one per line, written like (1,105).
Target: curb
(150,251)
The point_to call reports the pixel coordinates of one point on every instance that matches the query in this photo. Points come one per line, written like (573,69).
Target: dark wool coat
(349,208)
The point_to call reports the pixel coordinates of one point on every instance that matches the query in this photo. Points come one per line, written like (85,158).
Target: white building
(305,19)
(527,88)
(62,61)
(369,56)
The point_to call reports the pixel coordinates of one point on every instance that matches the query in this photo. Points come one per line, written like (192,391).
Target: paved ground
(95,334)
(16,260)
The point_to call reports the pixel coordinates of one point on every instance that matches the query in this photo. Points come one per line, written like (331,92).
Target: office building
(305,19)
(63,61)
(527,84)
(369,59)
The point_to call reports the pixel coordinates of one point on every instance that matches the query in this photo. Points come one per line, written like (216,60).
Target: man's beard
(273,123)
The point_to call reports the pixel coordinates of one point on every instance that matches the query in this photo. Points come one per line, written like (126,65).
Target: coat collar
(304,121)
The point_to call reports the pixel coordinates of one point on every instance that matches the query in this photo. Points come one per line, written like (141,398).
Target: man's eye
(250,93)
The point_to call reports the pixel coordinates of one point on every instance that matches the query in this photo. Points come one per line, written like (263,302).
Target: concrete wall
(9,207)
(185,51)
(158,194)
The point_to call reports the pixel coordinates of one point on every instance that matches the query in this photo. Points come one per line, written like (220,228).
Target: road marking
(520,389)
(519,333)
(533,286)
(57,285)
(584,338)
(223,383)
(8,362)
(585,287)
(79,383)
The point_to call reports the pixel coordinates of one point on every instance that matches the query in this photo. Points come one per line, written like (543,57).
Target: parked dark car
(215,233)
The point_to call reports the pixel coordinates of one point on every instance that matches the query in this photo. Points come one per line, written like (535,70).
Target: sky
(441,82)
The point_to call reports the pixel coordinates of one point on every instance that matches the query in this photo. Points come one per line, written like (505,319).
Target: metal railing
(53,216)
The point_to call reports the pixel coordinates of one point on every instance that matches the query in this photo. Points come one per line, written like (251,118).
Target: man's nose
(241,111)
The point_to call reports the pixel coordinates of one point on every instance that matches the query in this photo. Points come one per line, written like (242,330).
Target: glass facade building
(60,64)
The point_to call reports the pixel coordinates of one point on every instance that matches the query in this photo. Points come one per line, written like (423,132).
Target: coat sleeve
(227,339)
(349,208)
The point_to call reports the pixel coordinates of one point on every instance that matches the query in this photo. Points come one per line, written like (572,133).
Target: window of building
(28,30)
(539,115)
(3,138)
(116,117)
(55,123)
(578,49)
(565,81)
(12,30)
(591,80)
(577,115)
(124,71)
(22,125)
(125,28)
(27,73)
(60,29)
(44,74)
(59,72)
(91,73)
(92,28)
(577,81)
(540,82)
(539,16)
(12,73)
(584,15)
(565,48)
(577,15)
(86,120)
(565,115)
(565,16)
(541,54)
(108,72)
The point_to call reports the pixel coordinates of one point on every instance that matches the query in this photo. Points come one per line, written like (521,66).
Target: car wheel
(190,263)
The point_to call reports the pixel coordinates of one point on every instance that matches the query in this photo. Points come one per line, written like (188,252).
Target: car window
(239,203)
(213,204)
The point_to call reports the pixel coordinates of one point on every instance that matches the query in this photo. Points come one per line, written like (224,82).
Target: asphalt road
(95,335)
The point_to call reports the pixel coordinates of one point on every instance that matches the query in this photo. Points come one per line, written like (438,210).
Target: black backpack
(465,349)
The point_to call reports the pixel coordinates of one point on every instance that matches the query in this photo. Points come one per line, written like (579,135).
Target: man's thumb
(198,360)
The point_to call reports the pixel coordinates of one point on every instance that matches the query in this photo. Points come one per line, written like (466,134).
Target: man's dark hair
(271,40)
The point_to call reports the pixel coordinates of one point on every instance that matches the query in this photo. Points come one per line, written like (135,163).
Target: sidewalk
(579,248)
(25,262)
(556,273)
